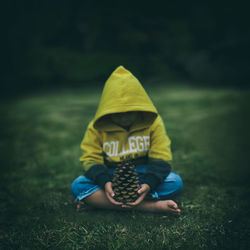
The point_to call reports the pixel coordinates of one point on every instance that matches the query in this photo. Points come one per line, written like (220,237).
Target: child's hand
(145,188)
(110,194)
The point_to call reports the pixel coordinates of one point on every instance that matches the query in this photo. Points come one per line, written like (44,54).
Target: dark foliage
(73,42)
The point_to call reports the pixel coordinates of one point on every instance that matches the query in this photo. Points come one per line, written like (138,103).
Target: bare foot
(168,206)
(78,207)
(81,206)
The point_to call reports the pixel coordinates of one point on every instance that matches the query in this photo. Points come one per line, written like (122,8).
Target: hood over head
(123,93)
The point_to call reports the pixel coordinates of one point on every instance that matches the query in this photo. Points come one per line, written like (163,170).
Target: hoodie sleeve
(92,157)
(159,155)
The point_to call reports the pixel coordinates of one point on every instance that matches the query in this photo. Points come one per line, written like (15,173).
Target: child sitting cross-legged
(127,126)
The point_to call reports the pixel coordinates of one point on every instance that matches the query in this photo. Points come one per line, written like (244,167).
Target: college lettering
(135,144)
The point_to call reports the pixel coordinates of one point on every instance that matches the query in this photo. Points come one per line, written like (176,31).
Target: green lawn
(40,138)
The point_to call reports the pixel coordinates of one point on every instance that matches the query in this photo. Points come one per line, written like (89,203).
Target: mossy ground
(40,137)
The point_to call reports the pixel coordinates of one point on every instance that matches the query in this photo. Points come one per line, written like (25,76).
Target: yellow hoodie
(105,142)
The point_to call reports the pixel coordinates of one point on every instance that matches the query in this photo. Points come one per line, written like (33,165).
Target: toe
(172,204)
(78,207)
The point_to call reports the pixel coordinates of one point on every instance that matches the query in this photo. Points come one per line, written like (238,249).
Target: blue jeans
(172,185)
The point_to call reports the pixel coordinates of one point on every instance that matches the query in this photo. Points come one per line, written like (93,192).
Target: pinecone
(125,183)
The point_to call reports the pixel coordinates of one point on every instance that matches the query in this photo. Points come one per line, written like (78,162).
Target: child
(127,126)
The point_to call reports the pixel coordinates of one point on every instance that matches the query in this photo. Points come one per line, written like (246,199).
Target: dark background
(49,46)
(75,43)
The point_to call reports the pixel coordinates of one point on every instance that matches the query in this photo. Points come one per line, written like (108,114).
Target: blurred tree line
(72,43)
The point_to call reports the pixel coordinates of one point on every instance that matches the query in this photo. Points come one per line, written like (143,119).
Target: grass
(40,139)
